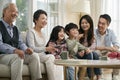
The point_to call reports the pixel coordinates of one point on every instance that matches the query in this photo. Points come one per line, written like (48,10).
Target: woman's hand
(29,51)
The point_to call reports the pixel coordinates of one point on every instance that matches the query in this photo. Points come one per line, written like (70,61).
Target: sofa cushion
(5,70)
(23,36)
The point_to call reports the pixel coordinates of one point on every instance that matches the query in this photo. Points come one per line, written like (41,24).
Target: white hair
(5,7)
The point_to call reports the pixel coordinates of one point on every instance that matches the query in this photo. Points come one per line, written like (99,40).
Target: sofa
(5,70)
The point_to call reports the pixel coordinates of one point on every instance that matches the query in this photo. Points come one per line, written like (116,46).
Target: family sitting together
(81,43)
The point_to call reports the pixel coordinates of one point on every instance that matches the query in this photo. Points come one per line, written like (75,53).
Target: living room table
(112,64)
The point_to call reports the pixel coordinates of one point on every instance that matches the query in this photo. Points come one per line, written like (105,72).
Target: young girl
(57,40)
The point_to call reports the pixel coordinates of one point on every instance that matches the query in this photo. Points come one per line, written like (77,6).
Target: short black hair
(107,17)
(70,26)
(37,14)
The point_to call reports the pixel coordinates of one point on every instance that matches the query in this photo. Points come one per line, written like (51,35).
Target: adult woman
(36,40)
(86,38)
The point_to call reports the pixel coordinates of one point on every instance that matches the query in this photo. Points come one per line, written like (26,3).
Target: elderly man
(13,52)
(106,40)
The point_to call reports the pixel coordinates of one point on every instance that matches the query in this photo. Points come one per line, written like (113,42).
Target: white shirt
(36,42)
(101,40)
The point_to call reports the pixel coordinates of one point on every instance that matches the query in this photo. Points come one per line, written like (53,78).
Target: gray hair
(6,6)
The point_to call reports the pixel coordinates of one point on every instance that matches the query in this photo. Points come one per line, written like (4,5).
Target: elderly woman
(36,40)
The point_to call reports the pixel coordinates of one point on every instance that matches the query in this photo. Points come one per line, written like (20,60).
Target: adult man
(13,52)
(106,40)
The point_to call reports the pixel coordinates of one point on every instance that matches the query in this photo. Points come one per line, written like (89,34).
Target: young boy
(75,49)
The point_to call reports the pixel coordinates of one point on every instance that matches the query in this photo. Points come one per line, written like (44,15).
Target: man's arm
(5,48)
(112,40)
(115,41)
(8,49)
(114,48)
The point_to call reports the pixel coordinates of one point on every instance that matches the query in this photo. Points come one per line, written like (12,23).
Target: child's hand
(88,51)
(80,35)
(81,53)
(51,49)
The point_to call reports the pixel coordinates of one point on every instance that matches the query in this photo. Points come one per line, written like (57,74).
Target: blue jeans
(70,73)
(91,56)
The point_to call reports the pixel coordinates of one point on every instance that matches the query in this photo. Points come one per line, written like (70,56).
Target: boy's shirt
(74,47)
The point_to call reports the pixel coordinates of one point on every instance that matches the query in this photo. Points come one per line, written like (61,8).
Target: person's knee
(35,56)
(16,58)
(51,57)
(95,56)
(89,56)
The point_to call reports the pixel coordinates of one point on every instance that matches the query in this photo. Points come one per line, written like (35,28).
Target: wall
(68,15)
(72,10)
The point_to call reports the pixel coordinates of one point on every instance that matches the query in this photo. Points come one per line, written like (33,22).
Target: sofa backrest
(23,36)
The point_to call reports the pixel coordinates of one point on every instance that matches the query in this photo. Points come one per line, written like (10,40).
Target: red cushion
(118,55)
(113,55)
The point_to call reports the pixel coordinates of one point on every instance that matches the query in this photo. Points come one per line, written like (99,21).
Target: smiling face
(42,21)
(73,33)
(102,25)
(85,25)
(61,35)
(10,13)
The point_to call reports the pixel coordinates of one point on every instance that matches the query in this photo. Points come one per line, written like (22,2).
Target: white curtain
(96,8)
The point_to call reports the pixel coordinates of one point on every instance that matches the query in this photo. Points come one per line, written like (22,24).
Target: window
(28,7)
(22,20)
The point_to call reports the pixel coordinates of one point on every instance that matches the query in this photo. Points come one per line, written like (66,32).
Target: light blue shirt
(110,38)
(6,48)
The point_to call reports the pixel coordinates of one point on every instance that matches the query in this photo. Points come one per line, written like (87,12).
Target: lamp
(81,6)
